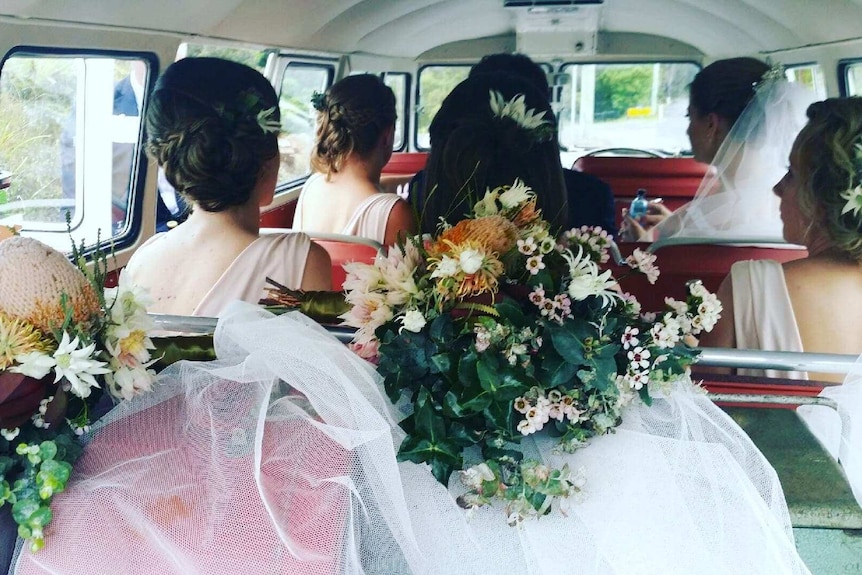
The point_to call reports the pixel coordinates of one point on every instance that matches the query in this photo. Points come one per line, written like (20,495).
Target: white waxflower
(77,365)
(413,321)
(471,261)
(517,194)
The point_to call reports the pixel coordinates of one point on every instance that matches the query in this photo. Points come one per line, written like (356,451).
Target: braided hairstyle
(725,87)
(352,115)
(472,151)
(825,152)
(203,129)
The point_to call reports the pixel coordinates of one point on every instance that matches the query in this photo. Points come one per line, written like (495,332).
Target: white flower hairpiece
(853,195)
(516,109)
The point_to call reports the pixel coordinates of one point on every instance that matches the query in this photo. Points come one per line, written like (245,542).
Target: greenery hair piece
(250,106)
(319,101)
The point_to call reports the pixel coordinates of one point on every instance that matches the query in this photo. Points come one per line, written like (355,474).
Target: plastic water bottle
(639,205)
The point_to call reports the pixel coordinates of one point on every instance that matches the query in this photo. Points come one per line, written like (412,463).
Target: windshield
(641,106)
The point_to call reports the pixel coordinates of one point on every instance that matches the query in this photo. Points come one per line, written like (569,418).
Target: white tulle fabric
(735,198)
(839,428)
(280,458)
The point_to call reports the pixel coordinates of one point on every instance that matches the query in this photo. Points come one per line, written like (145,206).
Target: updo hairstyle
(824,153)
(725,87)
(203,129)
(353,113)
(472,151)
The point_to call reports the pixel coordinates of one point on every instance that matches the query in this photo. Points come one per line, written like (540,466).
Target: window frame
(417,99)
(404,109)
(134,225)
(842,68)
(283,62)
(810,64)
(564,64)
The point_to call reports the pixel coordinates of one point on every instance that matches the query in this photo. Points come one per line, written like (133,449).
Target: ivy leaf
(444,456)
(428,423)
(570,348)
(559,371)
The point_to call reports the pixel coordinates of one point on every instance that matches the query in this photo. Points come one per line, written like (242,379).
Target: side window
(641,106)
(852,78)
(400,84)
(809,75)
(435,83)
(70,136)
(298,117)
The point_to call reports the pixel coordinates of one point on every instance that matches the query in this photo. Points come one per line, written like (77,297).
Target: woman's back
(355,134)
(823,293)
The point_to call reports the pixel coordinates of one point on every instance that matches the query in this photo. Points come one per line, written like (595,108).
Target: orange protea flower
(33,277)
(495,234)
(527,215)
(18,337)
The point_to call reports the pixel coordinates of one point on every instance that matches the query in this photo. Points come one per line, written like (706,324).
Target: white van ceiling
(410,28)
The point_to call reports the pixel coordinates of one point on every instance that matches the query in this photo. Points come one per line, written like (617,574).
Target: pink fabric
(278,256)
(156,526)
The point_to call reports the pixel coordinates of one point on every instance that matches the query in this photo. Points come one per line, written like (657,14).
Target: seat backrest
(280,216)
(406,163)
(342,252)
(675,180)
(709,263)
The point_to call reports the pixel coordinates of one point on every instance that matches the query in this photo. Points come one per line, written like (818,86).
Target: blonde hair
(825,154)
(352,115)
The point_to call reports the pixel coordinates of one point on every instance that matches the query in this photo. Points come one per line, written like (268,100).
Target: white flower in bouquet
(517,194)
(77,365)
(447,268)
(585,279)
(471,260)
(413,321)
(34,364)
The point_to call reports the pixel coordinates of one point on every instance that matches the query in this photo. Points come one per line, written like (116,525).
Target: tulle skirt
(280,457)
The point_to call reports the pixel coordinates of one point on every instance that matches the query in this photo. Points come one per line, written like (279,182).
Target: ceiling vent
(549,4)
(556,28)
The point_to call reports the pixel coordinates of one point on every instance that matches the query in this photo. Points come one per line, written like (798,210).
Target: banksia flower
(32,278)
(494,233)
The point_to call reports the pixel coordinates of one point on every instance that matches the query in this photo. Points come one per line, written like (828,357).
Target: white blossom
(413,321)
(471,260)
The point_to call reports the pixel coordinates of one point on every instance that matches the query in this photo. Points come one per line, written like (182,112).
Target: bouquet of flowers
(64,342)
(495,330)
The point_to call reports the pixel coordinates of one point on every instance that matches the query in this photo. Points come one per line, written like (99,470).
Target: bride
(281,457)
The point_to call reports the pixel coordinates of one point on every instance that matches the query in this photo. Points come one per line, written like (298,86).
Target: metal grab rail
(783,360)
(710,356)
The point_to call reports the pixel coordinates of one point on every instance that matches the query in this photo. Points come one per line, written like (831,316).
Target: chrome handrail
(709,356)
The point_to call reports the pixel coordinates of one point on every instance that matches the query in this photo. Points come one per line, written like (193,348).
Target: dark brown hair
(203,130)
(355,111)
(472,151)
(726,86)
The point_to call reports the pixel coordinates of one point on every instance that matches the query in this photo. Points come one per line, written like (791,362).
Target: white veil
(735,198)
(280,458)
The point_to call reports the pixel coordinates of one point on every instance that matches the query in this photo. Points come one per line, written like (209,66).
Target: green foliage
(620,88)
